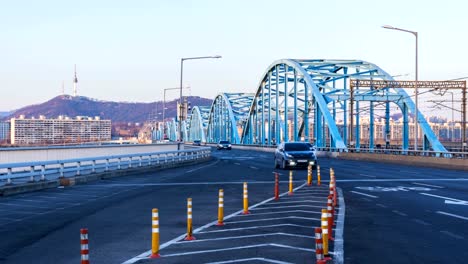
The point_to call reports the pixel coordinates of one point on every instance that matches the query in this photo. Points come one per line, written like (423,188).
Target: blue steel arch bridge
(305,100)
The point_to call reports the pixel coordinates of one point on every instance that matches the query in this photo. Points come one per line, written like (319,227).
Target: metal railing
(30,171)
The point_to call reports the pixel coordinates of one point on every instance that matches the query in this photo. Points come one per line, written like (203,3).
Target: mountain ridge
(73,106)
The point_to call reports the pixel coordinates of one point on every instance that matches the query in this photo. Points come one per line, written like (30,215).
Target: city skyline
(127,53)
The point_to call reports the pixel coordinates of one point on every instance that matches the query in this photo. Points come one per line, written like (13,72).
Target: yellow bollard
(318,175)
(246,200)
(220,208)
(155,234)
(325,232)
(309,175)
(290,183)
(189,221)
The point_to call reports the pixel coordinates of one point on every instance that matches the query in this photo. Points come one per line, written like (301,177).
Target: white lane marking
(25,205)
(283,212)
(367,175)
(452,234)
(144,255)
(428,185)
(446,198)
(338,245)
(289,206)
(272,219)
(381,205)
(458,203)
(237,248)
(304,201)
(452,215)
(399,213)
(75,194)
(189,183)
(209,165)
(249,260)
(313,191)
(413,172)
(252,167)
(306,195)
(254,227)
(402,180)
(240,237)
(365,194)
(237,163)
(421,222)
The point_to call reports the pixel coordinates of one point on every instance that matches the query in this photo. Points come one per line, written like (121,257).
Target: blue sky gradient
(131,50)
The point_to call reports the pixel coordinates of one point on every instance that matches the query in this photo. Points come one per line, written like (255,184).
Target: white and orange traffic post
(324,220)
(155,234)
(189,221)
(276,187)
(291,191)
(246,199)
(319,246)
(220,208)
(309,175)
(84,246)
(318,175)
(330,220)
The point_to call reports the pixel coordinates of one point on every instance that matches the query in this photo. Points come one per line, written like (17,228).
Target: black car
(295,154)
(224,144)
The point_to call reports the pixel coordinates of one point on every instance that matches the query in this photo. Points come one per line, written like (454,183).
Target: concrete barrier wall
(11,155)
(457,164)
(454,164)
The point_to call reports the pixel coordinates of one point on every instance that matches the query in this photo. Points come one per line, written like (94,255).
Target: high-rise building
(4,131)
(42,130)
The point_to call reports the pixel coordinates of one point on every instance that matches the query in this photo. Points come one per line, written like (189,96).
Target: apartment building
(4,131)
(44,131)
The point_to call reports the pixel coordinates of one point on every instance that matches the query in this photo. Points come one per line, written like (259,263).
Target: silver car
(295,154)
(224,144)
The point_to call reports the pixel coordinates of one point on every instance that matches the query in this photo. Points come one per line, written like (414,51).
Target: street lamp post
(181,103)
(415,86)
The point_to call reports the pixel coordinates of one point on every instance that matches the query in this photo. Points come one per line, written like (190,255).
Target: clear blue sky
(131,50)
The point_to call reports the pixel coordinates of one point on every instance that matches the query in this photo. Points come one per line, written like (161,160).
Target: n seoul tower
(75,82)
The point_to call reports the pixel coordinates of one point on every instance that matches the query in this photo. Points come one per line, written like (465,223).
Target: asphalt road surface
(394,214)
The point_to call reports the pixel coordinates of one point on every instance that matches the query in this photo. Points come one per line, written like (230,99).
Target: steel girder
(198,123)
(292,93)
(227,116)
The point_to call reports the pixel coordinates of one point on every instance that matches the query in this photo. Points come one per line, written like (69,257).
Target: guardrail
(76,167)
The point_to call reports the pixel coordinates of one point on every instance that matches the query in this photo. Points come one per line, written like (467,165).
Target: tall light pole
(415,86)
(181,103)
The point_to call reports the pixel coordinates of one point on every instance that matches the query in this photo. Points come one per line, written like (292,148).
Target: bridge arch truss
(310,100)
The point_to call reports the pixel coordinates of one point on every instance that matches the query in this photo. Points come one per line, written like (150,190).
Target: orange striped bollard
(291,191)
(189,221)
(325,233)
(309,175)
(330,220)
(84,246)
(155,234)
(319,246)
(334,191)
(220,208)
(318,175)
(276,187)
(246,200)
(330,200)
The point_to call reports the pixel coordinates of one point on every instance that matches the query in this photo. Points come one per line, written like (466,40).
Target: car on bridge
(295,154)
(197,142)
(224,144)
